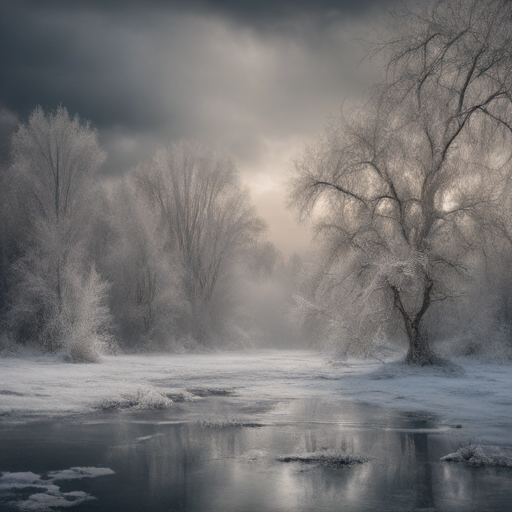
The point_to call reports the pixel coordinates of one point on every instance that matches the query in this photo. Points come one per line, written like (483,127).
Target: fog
(224,177)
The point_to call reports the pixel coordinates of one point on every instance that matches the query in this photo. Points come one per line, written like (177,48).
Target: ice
(470,393)
(76,473)
(146,398)
(44,502)
(51,497)
(20,480)
(482,455)
(327,458)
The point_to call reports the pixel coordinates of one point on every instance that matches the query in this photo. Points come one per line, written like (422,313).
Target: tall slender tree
(206,218)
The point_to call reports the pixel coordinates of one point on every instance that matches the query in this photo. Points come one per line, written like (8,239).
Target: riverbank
(475,397)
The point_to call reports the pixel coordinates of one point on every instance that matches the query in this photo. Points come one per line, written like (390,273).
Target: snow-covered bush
(86,320)
(72,318)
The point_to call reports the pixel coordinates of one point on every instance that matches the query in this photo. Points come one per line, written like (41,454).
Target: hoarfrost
(482,455)
(146,398)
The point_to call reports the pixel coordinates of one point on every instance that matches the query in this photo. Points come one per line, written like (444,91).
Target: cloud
(232,75)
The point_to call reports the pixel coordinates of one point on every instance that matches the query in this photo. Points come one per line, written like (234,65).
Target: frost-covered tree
(58,298)
(206,219)
(13,219)
(146,297)
(399,191)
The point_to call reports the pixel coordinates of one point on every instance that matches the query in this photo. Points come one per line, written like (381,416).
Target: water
(194,458)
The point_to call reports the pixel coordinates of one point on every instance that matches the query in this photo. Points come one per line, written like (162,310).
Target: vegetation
(409,194)
(157,261)
(404,189)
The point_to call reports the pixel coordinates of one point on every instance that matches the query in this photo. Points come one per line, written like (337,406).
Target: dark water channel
(192,458)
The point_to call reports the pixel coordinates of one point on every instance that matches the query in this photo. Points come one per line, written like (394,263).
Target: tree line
(161,259)
(409,193)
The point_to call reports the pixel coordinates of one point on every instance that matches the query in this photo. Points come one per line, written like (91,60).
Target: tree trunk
(419,353)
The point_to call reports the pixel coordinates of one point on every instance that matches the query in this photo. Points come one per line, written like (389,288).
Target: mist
(256,256)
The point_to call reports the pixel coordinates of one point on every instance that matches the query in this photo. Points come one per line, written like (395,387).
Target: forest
(162,259)
(408,193)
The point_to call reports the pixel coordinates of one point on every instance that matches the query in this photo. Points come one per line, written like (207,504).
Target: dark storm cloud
(252,78)
(77,59)
(250,11)
(102,58)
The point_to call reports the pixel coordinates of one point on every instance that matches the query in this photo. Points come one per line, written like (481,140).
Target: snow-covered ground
(477,396)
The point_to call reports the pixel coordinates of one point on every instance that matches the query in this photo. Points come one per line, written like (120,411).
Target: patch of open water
(220,454)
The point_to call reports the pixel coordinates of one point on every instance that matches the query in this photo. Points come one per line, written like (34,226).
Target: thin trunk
(51,345)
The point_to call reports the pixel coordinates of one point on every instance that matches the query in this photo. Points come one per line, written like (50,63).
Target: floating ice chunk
(51,497)
(75,473)
(204,392)
(482,455)
(44,502)
(10,481)
(18,480)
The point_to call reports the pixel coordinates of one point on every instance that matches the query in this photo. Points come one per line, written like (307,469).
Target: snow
(77,473)
(482,455)
(44,502)
(475,395)
(23,480)
(51,497)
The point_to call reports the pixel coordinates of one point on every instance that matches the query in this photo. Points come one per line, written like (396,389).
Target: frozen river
(235,421)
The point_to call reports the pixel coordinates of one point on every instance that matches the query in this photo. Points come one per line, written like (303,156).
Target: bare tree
(146,296)
(206,217)
(401,193)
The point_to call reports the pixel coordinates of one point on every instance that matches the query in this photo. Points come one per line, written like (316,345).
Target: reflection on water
(161,465)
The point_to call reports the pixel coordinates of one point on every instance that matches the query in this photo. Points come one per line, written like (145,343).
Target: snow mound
(146,398)
(327,458)
(482,455)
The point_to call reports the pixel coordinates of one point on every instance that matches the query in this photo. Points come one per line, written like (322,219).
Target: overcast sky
(254,78)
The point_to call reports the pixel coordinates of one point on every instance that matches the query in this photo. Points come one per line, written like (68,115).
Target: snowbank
(473,395)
